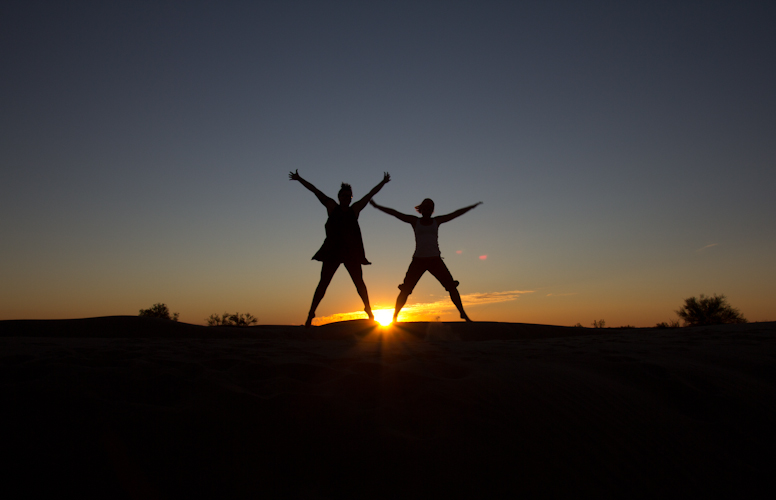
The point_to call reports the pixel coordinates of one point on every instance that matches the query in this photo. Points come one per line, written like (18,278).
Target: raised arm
(327,202)
(360,204)
(447,218)
(409,219)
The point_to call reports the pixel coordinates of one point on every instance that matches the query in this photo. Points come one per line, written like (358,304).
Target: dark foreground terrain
(128,407)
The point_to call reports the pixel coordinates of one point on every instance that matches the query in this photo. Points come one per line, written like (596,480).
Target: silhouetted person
(427,256)
(343,243)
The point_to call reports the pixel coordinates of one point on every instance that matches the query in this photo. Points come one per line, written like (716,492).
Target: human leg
(456,298)
(356,274)
(327,273)
(440,271)
(400,301)
(414,272)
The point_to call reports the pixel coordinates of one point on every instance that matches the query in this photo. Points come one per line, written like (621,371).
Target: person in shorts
(427,256)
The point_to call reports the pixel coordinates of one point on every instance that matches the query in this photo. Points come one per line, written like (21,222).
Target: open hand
(386,177)
(294,176)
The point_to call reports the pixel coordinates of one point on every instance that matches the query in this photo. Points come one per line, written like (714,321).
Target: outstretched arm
(327,202)
(410,219)
(457,213)
(360,204)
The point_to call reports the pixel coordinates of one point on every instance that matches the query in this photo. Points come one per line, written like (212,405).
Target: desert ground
(133,407)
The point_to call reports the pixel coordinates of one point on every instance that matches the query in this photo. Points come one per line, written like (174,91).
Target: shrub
(235,319)
(671,324)
(599,324)
(158,311)
(712,310)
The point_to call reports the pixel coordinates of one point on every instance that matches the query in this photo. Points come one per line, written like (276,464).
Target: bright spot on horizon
(383,316)
(459,251)
(483,257)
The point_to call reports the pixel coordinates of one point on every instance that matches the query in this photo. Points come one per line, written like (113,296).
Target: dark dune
(144,327)
(128,407)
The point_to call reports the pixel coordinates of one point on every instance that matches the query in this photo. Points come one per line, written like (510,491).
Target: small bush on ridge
(235,319)
(712,310)
(159,310)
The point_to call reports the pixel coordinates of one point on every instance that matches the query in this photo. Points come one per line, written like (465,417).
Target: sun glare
(383,316)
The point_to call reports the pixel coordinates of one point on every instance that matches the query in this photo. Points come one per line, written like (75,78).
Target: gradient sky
(625,153)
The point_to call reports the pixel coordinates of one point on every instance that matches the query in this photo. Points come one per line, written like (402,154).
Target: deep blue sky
(625,153)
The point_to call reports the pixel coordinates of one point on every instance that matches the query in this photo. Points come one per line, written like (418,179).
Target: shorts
(435,266)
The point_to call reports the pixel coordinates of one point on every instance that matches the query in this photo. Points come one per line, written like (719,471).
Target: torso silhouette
(343,238)
(426,238)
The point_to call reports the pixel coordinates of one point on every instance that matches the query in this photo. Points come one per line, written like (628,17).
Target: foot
(309,320)
(368,311)
(465,317)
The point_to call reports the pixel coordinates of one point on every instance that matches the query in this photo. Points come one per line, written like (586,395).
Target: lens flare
(383,316)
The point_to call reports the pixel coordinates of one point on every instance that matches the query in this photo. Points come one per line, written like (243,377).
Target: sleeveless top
(343,241)
(426,240)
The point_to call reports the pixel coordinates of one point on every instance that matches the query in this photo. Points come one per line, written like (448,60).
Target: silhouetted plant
(578,325)
(235,319)
(627,326)
(671,324)
(158,311)
(712,310)
(599,324)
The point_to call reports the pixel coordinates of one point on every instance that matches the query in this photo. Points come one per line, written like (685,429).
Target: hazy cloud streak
(707,246)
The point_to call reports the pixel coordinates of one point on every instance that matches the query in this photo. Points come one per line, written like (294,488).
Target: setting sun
(383,316)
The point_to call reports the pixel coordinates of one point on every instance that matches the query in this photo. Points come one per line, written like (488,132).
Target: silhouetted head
(345,194)
(426,208)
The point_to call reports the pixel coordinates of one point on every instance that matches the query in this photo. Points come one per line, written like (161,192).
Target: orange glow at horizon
(382,316)
(427,311)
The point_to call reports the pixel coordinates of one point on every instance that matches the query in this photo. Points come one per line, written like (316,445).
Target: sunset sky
(624,152)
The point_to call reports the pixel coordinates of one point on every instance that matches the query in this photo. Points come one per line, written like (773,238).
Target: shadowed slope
(619,414)
(144,327)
